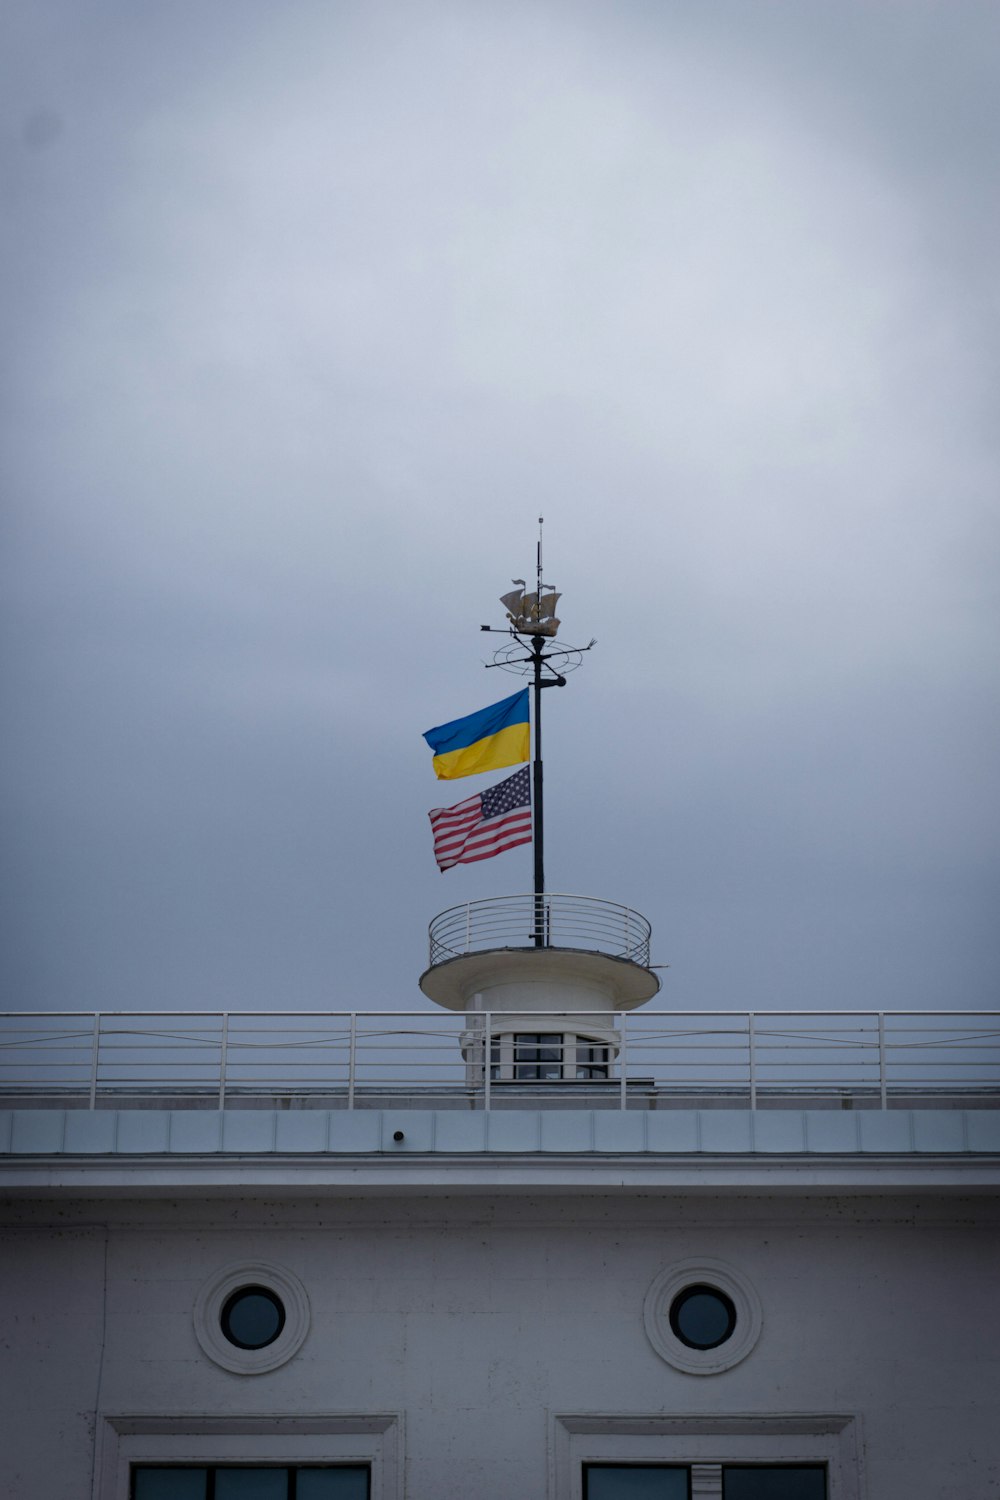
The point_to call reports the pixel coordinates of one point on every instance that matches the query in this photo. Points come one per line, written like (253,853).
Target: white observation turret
(548,1011)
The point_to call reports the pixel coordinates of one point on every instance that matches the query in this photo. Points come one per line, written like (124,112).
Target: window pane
(252,1318)
(635,1482)
(591,1060)
(251,1484)
(702,1317)
(525,1056)
(332,1484)
(787,1482)
(169,1484)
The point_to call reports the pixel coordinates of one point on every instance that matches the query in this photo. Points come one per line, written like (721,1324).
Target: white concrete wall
(51,1336)
(477,1318)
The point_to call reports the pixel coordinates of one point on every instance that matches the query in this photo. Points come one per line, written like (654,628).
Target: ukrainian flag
(494,737)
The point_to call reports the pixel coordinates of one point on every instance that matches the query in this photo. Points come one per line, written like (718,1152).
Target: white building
(637,1255)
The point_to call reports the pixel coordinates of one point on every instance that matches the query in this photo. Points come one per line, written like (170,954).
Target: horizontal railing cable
(350,1057)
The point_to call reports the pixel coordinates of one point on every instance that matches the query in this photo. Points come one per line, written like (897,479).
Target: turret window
(591,1060)
(547,1057)
(538,1055)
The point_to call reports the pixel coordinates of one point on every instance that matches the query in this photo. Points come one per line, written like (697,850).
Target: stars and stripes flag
(483,825)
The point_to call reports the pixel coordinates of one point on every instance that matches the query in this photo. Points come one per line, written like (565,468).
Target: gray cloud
(312,310)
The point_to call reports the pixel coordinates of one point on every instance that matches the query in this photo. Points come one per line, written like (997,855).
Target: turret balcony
(540,952)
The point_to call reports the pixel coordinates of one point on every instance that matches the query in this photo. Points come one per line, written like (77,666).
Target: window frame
(126,1440)
(530,1049)
(593,1059)
(705,1441)
(229,1307)
(243,1275)
(716,1275)
(520,1057)
(679,1302)
(608,1464)
(212,1469)
(771,1467)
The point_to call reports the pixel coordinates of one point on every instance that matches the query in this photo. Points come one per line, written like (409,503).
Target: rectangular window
(169,1484)
(251,1484)
(591,1060)
(773,1482)
(636,1482)
(538,1055)
(244,1482)
(798,1456)
(731,1481)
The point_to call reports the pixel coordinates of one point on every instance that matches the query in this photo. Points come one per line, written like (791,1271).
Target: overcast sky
(311,309)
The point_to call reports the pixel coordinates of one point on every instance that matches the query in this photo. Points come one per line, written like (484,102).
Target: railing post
(628,944)
(622,1061)
(882,1079)
(751,1042)
(352,1055)
(95,1052)
(468,927)
(223,1051)
(487,1059)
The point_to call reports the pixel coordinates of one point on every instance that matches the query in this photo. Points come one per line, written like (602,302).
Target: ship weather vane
(510,812)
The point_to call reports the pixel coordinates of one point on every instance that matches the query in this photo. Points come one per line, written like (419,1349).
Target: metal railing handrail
(558,919)
(433,1015)
(353,1054)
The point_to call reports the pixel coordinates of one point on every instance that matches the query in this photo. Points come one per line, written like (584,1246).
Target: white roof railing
(357,1058)
(552,920)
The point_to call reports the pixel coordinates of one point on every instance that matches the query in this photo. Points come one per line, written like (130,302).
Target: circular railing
(549,921)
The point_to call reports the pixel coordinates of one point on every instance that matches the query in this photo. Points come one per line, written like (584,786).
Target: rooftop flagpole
(539,933)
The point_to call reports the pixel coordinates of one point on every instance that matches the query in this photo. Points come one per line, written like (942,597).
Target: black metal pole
(536,799)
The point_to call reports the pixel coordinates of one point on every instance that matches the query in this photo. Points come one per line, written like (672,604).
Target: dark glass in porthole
(702,1317)
(253,1317)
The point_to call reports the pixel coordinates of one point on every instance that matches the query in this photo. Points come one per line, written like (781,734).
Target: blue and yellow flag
(494,737)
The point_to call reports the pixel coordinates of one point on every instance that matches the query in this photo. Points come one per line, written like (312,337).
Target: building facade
(561,1285)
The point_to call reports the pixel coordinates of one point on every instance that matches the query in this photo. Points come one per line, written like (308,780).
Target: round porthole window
(251,1317)
(702,1317)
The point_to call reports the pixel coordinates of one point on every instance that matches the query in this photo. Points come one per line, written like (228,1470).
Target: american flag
(484,825)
